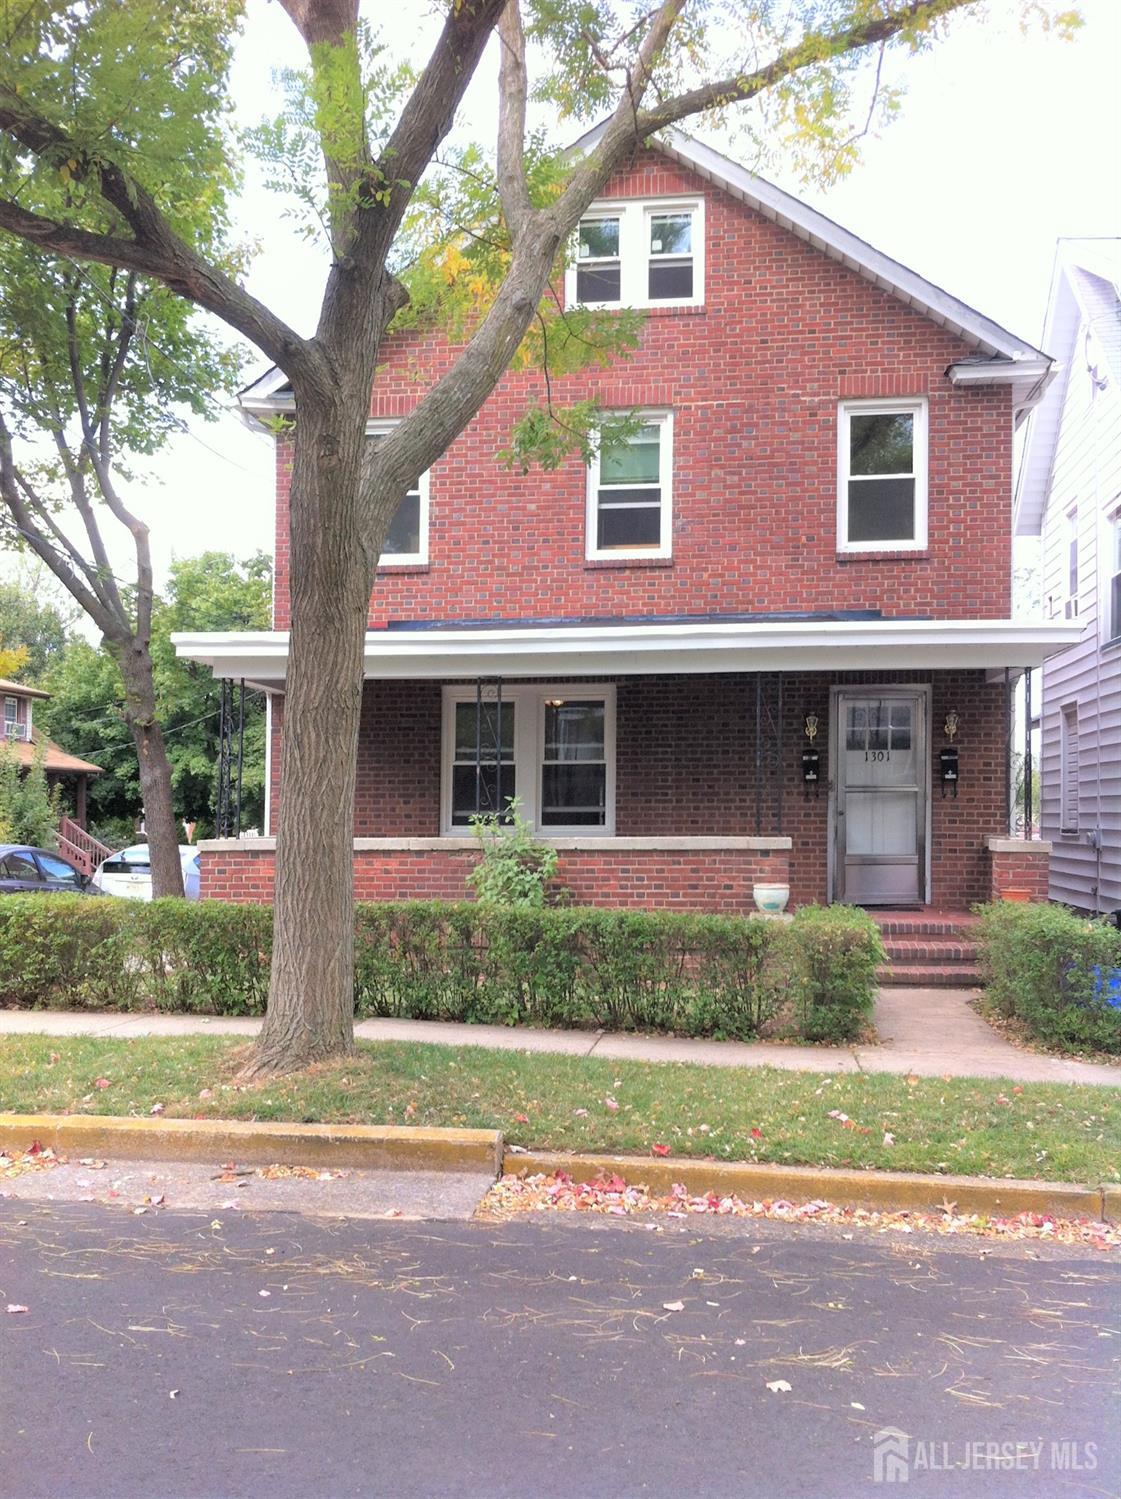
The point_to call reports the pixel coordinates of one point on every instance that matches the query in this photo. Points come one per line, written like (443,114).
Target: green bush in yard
(693,974)
(1048,968)
(837,951)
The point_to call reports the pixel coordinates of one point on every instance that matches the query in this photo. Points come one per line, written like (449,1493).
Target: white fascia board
(838,243)
(629,650)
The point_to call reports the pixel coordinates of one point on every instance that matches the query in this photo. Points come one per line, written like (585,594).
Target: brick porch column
(1019,868)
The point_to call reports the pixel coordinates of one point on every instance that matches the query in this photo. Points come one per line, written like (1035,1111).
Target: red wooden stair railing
(80,848)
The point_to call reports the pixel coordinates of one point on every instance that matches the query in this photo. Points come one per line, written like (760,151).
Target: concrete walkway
(924,1032)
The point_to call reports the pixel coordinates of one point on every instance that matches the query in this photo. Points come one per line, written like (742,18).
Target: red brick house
(734,651)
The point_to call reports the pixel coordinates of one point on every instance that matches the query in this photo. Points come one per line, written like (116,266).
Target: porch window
(882,476)
(407,541)
(1068,769)
(484,773)
(11,718)
(629,494)
(557,756)
(574,763)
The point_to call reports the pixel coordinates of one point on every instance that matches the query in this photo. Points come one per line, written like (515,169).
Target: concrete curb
(890,1191)
(380,1147)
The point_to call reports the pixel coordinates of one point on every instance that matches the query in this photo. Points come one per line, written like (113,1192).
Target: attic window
(639,253)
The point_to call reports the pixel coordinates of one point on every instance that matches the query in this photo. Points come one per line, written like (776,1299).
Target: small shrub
(837,950)
(515,868)
(1046,968)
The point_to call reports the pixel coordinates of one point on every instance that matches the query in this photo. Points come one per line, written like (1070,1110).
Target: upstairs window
(598,267)
(11,718)
(407,541)
(638,253)
(1070,563)
(629,494)
(882,476)
(1113,577)
(670,273)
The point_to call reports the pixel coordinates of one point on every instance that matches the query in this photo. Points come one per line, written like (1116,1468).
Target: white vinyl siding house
(1070,493)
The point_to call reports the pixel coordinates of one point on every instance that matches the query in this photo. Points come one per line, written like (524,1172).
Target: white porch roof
(622,649)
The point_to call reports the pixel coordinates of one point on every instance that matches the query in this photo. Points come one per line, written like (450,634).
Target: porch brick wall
(753,378)
(685,767)
(681,880)
(1025,869)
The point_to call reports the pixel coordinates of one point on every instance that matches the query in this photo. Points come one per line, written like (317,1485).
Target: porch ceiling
(657,649)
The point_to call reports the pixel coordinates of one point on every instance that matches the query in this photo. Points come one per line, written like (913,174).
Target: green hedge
(1039,964)
(696,975)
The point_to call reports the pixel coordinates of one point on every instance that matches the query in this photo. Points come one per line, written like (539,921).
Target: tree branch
(809,50)
(155,249)
(512,91)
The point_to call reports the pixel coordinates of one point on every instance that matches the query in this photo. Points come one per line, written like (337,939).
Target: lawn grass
(1062,1132)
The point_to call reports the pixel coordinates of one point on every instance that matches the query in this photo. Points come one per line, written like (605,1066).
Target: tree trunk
(310,1012)
(162,830)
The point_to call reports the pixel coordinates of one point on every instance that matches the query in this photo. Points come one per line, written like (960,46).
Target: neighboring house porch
(25,741)
(679,763)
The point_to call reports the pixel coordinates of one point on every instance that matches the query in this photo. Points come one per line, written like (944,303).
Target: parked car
(129,872)
(36,871)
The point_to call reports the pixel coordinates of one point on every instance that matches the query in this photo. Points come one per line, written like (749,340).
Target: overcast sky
(1005,143)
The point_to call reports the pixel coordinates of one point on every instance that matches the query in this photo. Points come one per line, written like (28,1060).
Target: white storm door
(880,798)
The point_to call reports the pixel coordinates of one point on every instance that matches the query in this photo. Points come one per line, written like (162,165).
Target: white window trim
(406,559)
(529,746)
(592,553)
(1111,568)
(916,407)
(634,219)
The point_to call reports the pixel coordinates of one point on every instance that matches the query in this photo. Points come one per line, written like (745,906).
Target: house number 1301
(877,754)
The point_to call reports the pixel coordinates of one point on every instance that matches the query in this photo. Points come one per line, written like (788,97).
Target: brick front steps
(928,949)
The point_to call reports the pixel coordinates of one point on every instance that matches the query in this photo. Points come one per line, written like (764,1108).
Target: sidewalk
(924,1032)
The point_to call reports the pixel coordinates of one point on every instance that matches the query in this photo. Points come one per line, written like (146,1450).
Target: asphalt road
(207,1356)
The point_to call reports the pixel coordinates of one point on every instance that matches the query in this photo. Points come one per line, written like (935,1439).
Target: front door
(880,797)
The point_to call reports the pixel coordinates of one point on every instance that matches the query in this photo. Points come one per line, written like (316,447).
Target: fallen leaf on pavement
(779,1386)
(14,1307)
(667,1306)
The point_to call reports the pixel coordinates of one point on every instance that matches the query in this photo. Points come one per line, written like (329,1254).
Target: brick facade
(753,378)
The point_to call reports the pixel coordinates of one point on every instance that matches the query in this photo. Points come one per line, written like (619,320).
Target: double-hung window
(12,724)
(598,267)
(1112,602)
(1070,563)
(882,450)
(639,253)
(407,541)
(630,493)
(550,748)
(669,276)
